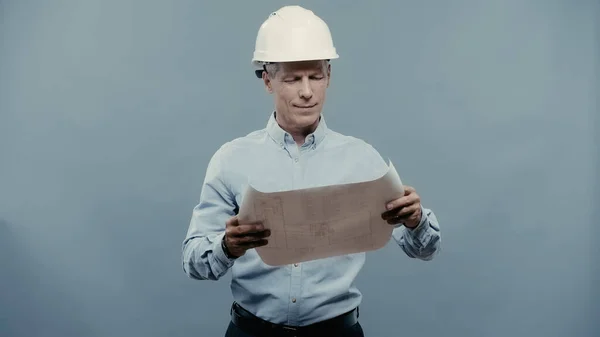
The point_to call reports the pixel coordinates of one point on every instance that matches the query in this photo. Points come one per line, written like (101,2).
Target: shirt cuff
(421,233)
(219,254)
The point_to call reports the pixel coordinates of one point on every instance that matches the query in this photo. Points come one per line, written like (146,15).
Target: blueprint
(320,222)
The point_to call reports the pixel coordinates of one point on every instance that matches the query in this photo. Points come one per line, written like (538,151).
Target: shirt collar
(283,137)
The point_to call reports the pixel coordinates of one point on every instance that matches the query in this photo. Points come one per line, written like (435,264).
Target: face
(299,92)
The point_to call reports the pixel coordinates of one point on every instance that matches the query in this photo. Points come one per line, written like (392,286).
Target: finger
(396,205)
(253,236)
(389,214)
(232,222)
(408,189)
(402,202)
(246,241)
(394,220)
(401,215)
(242,230)
(248,237)
(253,244)
(408,211)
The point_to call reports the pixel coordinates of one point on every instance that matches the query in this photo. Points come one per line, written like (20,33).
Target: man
(296,150)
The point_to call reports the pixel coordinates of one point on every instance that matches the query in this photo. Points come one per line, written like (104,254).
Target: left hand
(405,210)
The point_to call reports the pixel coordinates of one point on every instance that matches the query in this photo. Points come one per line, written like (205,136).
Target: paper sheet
(320,222)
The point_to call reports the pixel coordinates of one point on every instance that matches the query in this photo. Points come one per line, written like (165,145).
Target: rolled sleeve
(203,256)
(219,254)
(423,241)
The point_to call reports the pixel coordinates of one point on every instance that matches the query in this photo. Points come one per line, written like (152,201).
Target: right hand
(239,237)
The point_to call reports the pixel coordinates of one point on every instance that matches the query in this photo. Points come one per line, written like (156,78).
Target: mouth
(305,106)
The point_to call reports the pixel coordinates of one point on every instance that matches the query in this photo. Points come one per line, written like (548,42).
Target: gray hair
(273,68)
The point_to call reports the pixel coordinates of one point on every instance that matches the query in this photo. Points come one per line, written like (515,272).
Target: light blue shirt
(270,160)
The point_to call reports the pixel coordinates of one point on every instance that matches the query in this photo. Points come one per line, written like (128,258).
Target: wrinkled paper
(320,222)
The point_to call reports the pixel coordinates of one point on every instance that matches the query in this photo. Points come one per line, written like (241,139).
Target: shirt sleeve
(423,241)
(203,257)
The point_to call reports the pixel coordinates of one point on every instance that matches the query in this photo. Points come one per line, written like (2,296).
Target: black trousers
(353,331)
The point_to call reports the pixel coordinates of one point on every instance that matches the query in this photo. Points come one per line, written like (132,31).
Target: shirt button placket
(296,275)
(297,168)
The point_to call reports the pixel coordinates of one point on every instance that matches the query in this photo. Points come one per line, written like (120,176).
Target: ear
(267,81)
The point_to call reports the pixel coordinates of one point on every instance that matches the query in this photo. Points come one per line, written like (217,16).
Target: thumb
(233,221)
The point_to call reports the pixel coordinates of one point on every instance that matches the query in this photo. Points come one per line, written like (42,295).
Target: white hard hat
(292,33)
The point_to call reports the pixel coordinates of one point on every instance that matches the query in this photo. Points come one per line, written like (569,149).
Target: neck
(298,133)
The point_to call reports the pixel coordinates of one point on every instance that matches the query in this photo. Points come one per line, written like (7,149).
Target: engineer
(295,150)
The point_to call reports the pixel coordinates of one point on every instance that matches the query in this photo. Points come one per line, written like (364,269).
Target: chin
(308,116)
(314,111)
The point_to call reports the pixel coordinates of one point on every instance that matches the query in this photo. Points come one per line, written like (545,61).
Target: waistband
(257,326)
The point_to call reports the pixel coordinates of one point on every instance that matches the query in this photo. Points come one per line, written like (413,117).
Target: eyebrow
(311,73)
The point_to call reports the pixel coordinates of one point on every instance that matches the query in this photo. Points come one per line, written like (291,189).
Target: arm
(203,257)
(422,242)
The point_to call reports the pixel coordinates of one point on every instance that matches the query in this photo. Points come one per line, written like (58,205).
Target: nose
(306,91)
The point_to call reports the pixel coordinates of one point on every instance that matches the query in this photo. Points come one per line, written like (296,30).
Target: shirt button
(296,160)
(295,265)
(293,300)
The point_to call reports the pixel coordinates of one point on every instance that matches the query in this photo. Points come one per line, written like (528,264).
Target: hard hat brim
(258,72)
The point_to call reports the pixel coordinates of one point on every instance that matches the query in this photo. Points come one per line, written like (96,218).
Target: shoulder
(353,144)
(357,154)
(240,145)
(234,153)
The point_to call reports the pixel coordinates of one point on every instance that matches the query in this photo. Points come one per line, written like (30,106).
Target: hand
(241,237)
(405,210)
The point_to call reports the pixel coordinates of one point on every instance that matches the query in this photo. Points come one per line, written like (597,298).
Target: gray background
(110,110)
